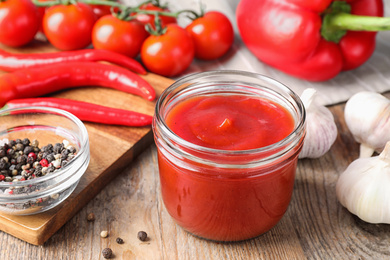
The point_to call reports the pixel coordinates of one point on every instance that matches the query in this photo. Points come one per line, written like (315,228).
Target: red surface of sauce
(220,203)
(233,122)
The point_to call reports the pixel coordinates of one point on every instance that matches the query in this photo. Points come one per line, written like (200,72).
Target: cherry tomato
(69,27)
(102,10)
(149,18)
(41,13)
(125,37)
(213,35)
(168,54)
(19,22)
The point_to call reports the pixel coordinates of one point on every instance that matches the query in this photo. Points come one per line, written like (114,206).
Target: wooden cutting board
(112,149)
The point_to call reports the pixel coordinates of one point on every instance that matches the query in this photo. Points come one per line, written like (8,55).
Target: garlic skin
(363,188)
(321,130)
(367,115)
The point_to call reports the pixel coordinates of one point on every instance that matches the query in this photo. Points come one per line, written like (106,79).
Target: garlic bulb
(321,130)
(364,188)
(367,115)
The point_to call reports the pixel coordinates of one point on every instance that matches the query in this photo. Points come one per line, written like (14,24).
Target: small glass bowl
(48,126)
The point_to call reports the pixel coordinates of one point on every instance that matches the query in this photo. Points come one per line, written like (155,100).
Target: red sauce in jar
(233,122)
(228,204)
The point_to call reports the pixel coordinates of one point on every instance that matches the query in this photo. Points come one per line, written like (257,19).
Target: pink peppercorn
(44,163)
(33,155)
(2,177)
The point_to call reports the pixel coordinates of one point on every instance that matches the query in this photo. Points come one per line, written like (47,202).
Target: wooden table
(315,225)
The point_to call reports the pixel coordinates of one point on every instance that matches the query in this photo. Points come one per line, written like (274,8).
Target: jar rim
(295,135)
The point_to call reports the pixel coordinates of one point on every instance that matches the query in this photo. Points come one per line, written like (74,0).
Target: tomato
(168,54)
(149,18)
(125,37)
(19,22)
(213,35)
(41,13)
(69,27)
(101,10)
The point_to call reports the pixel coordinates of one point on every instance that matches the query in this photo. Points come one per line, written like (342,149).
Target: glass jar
(227,195)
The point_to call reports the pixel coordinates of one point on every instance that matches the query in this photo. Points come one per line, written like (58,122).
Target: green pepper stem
(338,20)
(352,22)
(102,2)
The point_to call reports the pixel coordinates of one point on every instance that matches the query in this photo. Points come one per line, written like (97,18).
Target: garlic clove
(367,116)
(363,188)
(321,130)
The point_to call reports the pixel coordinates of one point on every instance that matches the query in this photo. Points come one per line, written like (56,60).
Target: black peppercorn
(119,240)
(18,166)
(2,152)
(50,168)
(107,253)
(21,159)
(57,148)
(19,147)
(25,141)
(3,164)
(10,152)
(64,154)
(72,149)
(30,160)
(142,235)
(50,157)
(28,149)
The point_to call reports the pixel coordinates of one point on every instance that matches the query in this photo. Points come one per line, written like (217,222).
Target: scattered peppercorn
(119,240)
(104,234)
(107,253)
(91,217)
(142,235)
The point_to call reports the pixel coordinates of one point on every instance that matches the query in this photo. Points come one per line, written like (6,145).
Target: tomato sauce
(228,203)
(233,122)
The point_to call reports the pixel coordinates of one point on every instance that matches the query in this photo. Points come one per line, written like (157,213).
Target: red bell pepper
(311,39)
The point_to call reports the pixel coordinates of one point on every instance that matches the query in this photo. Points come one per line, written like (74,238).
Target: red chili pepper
(87,111)
(40,81)
(13,61)
(313,40)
